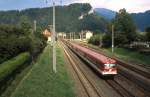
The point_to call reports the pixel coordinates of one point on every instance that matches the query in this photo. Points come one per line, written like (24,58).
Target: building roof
(46,33)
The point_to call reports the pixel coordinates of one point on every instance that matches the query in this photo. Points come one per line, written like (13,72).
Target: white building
(85,35)
(61,35)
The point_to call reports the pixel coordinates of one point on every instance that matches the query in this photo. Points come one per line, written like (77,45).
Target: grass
(126,55)
(9,66)
(131,56)
(41,81)
(19,76)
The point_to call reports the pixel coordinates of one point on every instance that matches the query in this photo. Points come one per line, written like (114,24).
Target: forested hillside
(16,34)
(67,17)
(106,13)
(142,19)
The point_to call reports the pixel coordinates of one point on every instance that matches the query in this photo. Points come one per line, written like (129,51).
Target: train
(106,66)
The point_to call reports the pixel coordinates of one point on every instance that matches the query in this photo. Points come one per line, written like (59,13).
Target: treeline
(16,33)
(15,40)
(67,18)
(19,46)
(125,32)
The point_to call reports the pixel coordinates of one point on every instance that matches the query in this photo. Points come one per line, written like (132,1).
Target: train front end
(109,68)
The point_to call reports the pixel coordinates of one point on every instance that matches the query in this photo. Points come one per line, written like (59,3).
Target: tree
(124,24)
(12,41)
(107,40)
(25,24)
(147,30)
(93,22)
(67,18)
(95,39)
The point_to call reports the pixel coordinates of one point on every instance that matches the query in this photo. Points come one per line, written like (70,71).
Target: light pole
(112,38)
(100,40)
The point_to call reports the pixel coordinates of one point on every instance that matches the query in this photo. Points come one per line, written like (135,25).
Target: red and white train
(105,65)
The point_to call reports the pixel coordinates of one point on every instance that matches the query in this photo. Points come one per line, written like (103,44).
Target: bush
(13,41)
(37,44)
(119,40)
(95,40)
(9,66)
(107,40)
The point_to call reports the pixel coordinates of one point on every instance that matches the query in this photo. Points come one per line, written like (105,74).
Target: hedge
(9,66)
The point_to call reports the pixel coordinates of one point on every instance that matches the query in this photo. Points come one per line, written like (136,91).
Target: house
(85,35)
(47,34)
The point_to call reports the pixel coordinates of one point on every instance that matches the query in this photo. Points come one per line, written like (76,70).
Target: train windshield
(110,65)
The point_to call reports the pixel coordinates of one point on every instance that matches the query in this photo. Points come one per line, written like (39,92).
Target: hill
(141,19)
(108,14)
(67,17)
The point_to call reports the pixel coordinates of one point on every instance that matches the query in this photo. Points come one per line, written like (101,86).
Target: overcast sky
(131,5)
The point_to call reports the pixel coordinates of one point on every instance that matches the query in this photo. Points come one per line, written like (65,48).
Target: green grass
(41,81)
(9,66)
(131,56)
(19,76)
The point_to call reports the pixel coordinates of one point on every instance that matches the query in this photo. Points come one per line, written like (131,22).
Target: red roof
(46,33)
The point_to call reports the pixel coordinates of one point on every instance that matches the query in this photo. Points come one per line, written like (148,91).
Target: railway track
(121,86)
(88,85)
(135,73)
(119,89)
(131,87)
(136,78)
(140,69)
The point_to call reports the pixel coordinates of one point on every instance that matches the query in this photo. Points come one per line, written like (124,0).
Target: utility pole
(54,40)
(100,40)
(74,35)
(112,38)
(70,36)
(34,26)
(82,35)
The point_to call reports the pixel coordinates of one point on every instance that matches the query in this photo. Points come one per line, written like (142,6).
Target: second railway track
(119,87)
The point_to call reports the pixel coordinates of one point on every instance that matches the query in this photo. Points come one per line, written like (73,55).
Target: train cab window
(110,65)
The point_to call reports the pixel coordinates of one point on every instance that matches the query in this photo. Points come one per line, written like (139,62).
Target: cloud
(130,5)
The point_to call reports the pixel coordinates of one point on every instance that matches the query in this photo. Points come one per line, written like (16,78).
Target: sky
(132,6)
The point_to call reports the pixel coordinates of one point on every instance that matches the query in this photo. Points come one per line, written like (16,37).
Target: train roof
(98,56)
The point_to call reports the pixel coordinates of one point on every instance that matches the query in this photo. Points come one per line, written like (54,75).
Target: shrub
(9,66)
(95,40)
